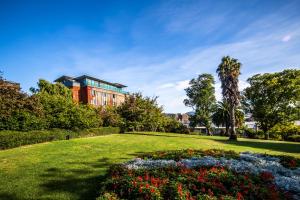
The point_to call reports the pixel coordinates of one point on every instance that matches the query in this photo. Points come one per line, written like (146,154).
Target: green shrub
(250,133)
(284,131)
(253,134)
(294,138)
(10,139)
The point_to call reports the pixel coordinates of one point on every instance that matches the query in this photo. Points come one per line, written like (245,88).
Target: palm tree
(228,72)
(221,115)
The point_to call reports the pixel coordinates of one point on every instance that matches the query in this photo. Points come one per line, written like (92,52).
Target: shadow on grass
(82,183)
(274,146)
(180,135)
(261,144)
(6,196)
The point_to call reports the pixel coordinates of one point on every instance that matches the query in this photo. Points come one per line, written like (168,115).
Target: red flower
(203,189)
(134,183)
(147,186)
(195,187)
(140,178)
(210,193)
(201,179)
(239,196)
(141,189)
(267,176)
(179,189)
(292,163)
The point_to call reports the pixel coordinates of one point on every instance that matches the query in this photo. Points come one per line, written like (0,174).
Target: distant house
(182,118)
(11,85)
(249,122)
(94,91)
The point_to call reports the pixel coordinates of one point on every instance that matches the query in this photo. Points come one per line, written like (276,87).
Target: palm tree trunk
(233,135)
(208,131)
(227,129)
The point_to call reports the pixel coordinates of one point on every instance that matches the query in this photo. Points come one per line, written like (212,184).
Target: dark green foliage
(201,97)
(110,116)
(60,110)
(294,138)
(141,113)
(10,139)
(18,111)
(250,133)
(273,98)
(188,153)
(171,125)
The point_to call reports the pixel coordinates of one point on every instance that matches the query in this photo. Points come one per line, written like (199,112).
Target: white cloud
(166,85)
(167,76)
(181,85)
(160,78)
(286,38)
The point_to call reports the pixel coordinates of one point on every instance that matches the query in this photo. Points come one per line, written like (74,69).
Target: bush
(10,139)
(171,125)
(294,138)
(284,131)
(250,133)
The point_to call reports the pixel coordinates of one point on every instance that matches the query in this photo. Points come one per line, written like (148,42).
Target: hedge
(11,139)
(294,138)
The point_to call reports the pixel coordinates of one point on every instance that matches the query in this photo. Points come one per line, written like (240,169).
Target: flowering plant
(211,174)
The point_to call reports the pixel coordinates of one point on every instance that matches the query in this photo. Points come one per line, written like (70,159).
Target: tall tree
(274,98)
(228,72)
(201,97)
(19,111)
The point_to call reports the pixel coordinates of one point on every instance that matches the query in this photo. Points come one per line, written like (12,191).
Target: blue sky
(154,47)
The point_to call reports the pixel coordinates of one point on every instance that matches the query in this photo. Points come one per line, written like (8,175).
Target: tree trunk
(208,131)
(233,135)
(227,129)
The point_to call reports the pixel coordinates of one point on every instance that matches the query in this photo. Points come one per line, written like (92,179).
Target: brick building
(94,91)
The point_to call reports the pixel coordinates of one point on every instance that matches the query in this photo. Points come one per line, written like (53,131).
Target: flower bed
(209,174)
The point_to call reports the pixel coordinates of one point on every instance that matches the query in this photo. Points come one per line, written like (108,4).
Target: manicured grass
(74,169)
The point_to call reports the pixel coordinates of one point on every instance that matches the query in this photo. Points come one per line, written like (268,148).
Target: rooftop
(118,85)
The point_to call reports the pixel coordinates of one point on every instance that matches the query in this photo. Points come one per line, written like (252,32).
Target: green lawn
(74,169)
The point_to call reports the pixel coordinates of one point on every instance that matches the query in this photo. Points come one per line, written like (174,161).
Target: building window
(93,93)
(114,99)
(104,99)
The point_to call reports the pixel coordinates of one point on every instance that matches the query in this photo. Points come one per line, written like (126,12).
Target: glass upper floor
(93,83)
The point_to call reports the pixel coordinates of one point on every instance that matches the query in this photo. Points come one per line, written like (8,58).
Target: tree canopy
(141,113)
(274,98)
(201,97)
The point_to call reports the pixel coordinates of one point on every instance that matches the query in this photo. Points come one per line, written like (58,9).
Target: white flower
(286,179)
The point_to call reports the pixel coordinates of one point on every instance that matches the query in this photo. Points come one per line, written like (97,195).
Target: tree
(141,113)
(110,116)
(60,110)
(18,111)
(221,116)
(228,72)
(201,97)
(274,98)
